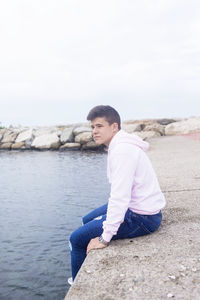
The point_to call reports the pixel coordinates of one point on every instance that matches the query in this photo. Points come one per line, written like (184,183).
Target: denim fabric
(134,225)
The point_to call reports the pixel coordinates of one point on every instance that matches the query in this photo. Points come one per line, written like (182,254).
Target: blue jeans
(134,225)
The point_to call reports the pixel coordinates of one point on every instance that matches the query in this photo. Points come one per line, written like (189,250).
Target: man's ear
(115,127)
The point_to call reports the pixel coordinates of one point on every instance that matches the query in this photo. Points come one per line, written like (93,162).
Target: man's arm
(123,167)
(123,171)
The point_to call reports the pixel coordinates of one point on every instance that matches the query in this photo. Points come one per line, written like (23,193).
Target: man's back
(134,184)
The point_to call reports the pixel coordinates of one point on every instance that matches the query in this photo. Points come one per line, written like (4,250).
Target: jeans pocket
(134,232)
(141,224)
(139,230)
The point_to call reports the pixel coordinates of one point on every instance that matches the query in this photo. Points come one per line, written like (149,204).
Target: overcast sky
(60,58)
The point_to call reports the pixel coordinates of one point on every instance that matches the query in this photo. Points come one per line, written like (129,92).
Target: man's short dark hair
(107,112)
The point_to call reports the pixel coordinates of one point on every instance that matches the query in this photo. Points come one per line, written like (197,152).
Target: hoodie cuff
(107,236)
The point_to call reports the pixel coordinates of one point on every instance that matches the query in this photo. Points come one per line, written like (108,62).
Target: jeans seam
(145,228)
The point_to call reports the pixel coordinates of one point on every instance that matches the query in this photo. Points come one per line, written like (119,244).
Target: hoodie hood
(123,137)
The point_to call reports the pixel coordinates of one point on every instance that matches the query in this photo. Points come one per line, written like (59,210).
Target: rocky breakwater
(69,137)
(79,136)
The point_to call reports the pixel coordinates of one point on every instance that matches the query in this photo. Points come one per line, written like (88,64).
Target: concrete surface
(165,264)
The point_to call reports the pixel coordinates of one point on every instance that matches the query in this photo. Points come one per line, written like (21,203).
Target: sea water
(43,196)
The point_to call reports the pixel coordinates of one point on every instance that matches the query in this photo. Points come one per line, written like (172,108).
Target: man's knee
(88,218)
(77,238)
(73,238)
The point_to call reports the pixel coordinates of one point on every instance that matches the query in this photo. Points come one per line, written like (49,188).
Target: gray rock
(1,136)
(9,137)
(3,130)
(46,130)
(70,146)
(24,136)
(166,121)
(28,144)
(6,146)
(83,137)
(46,141)
(91,146)
(141,122)
(155,127)
(19,145)
(78,130)
(145,135)
(130,128)
(183,127)
(67,136)
(21,129)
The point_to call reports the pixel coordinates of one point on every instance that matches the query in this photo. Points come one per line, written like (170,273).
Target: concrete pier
(165,264)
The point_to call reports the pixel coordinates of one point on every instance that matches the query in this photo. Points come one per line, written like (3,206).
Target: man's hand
(95,244)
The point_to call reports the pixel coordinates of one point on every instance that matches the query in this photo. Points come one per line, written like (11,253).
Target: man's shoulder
(125,148)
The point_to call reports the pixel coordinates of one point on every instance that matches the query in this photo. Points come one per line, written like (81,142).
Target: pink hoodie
(134,184)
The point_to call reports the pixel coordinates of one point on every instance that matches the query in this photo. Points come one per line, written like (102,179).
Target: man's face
(103,132)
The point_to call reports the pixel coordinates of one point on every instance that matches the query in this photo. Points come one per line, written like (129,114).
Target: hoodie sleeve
(123,163)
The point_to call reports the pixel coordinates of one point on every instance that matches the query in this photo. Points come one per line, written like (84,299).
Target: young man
(135,202)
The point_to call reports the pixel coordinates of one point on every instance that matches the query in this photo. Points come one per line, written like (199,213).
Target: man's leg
(95,214)
(135,225)
(79,241)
